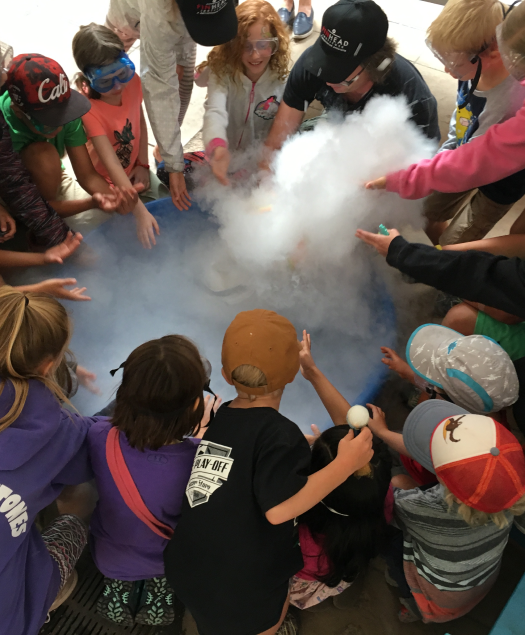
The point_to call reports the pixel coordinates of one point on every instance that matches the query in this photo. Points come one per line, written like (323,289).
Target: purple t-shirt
(123,547)
(40,452)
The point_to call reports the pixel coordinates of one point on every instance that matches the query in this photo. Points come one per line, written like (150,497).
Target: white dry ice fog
(286,243)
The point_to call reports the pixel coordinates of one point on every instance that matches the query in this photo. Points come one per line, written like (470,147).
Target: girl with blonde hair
(246,83)
(43,448)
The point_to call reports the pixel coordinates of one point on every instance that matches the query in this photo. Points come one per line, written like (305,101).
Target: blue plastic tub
(141,294)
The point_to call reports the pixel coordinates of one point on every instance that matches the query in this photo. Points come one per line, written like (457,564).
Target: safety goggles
(459,63)
(514,62)
(263,47)
(42,128)
(103,78)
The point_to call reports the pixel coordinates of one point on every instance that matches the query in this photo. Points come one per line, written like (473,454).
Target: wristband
(141,165)
(215,143)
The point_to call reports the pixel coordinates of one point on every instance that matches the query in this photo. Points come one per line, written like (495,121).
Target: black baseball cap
(352,31)
(209,22)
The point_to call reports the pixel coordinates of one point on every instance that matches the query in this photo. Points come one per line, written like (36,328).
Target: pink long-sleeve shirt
(495,155)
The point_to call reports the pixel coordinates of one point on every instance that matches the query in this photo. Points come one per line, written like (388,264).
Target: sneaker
(287,17)
(66,590)
(289,626)
(303,25)
(115,603)
(157,607)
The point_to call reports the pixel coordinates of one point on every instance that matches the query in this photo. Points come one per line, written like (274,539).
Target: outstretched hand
(377,184)
(305,356)
(395,363)
(64,250)
(220,162)
(56,288)
(179,191)
(377,422)
(121,199)
(87,379)
(147,227)
(380,243)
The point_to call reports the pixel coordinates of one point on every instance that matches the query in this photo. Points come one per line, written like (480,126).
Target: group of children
(228,508)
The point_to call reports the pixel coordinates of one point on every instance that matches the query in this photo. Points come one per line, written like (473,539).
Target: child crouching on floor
(115,124)
(142,459)
(249,482)
(449,555)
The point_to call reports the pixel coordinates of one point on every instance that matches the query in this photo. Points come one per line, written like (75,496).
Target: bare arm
(146,224)
(88,178)
(334,402)
(286,122)
(511,246)
(377,424)
(143,146)
(352,454)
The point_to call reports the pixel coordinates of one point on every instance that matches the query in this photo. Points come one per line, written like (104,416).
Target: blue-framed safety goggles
(103,78)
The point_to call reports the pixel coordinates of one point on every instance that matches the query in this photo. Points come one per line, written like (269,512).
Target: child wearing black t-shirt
(249,481)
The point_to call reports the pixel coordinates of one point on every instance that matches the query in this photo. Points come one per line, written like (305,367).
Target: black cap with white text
(209,22)
(351,32)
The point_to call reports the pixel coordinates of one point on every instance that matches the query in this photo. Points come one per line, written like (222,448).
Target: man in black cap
(168,30)
(352,60)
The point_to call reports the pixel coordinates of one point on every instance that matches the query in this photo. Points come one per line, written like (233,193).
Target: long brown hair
(225,59)
(161,382)
(35,328)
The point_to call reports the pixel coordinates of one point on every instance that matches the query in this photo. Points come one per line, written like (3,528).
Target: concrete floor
(48,27)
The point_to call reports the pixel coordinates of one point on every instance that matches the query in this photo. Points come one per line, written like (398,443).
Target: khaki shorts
(473,215)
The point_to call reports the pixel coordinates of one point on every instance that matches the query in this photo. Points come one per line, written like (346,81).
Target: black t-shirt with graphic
(403,79)
(226,562)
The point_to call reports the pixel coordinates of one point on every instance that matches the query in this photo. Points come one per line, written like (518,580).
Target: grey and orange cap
(351,32)
(474,370)
(266,340)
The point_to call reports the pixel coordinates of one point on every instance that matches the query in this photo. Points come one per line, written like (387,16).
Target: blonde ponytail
(35,329)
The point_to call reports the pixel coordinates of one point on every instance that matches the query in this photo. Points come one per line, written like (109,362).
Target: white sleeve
(215,124)
(160,83)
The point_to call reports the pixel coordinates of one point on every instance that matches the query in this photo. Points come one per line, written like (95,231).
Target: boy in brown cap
(249,481)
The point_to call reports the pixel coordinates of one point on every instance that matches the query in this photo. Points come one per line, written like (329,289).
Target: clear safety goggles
(459,63)
(263,47)
(103,78)
(514,62)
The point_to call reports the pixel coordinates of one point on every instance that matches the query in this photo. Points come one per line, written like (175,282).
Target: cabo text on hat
(266,340)
(479,461)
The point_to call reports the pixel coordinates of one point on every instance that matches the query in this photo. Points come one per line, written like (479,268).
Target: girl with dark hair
(142,459)
(342,533)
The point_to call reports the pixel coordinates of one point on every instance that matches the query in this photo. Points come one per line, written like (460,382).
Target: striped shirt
(446,551)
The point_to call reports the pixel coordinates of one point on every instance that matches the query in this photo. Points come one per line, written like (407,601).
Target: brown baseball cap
(266,340)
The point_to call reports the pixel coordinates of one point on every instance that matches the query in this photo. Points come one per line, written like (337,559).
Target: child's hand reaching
(87,379)
(220,162)
(305,357)
(147,226)
(64,250)
(56,288)
(377,422)
(377,184)
(355,453)
(140,174)
(7,225)
(395,363)
(380,243)
(312,438)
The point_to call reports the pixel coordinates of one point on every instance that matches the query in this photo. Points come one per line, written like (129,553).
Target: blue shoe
(303,25)
(287,17)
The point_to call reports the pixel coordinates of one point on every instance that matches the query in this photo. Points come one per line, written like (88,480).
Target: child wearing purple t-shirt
(142,459)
